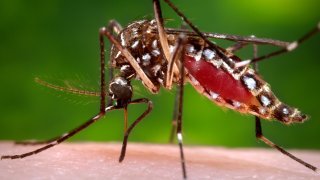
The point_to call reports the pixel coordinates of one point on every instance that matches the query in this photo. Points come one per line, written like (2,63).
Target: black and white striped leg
(180,106)
(139,119)
(61,138)
(103,110)
(175,59)
(177,114)
(261,137)
(114,26)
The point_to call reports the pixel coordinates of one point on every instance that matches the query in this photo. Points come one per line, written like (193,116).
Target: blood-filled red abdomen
(218,81)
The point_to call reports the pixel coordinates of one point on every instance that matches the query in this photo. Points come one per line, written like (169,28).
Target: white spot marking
(160,80)
(146,57)
(124,67)
(198,56)
(217,63)
(179,137)
(120,81)
(54,143)
(285,111)
(96,117)
(141,21)
(138,60)
(103,29)
(153,21)
(242,63)
(213,95)
(250,82)
(292,46)
(155,69)
(118,54)
(64,135)
(262,110)
(228,68)
(209,54)
(171,48)
(250,71)
(266,88)
(135,44)
(123,41)
(190,48)
(265,101)
(108,108)
(221,36)
(154,44)
(134,32)
(155,53)
(295,112)
(236,104)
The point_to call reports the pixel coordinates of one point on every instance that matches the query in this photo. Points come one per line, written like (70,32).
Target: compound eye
(120,89)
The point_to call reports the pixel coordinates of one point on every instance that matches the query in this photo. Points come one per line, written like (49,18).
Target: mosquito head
(120,89)
(289,115)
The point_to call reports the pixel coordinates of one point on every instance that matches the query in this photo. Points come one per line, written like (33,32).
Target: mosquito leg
(174,118)
(176,55)
(139,119)
(177,114)
(102,111)
(164,44)
(290,47)
(171,67)
(115,27)
(61,138)
(36,142)
(231,37)
(180,106)
(173,61)
(162,32)
(260,136)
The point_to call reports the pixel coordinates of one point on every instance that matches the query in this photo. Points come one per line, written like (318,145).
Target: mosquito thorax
(139,38)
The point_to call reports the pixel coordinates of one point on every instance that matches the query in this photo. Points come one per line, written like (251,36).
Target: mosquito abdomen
(241,88)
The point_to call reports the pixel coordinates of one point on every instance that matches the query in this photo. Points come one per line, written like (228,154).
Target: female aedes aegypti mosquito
(162,57)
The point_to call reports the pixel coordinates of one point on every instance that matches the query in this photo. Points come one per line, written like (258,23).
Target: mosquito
(162,57)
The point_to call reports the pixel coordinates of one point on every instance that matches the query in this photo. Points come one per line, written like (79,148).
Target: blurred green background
(58,40)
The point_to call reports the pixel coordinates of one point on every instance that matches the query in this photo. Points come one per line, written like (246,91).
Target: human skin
(153,161)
